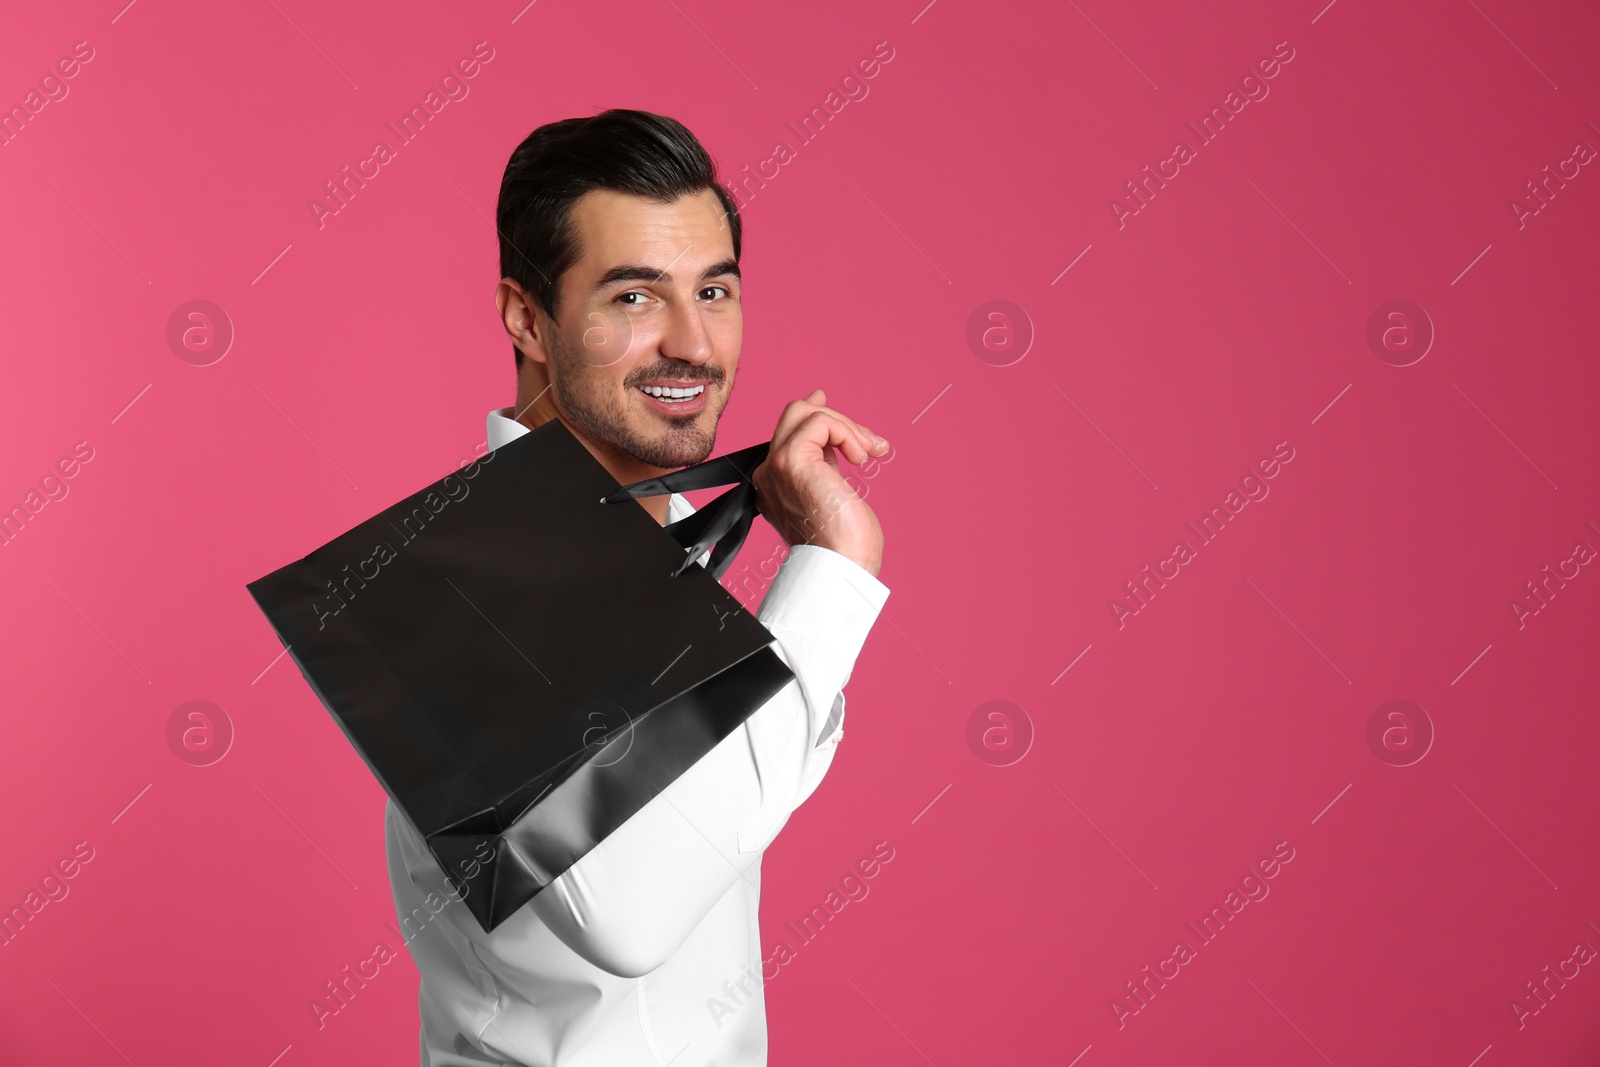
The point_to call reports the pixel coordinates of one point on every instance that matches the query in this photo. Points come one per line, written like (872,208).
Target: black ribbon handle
(724,522)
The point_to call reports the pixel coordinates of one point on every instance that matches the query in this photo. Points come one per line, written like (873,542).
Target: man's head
(619,258)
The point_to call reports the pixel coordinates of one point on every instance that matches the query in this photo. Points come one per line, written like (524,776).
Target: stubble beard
(587,401)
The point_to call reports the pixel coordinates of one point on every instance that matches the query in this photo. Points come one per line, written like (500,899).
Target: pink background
(1228,315)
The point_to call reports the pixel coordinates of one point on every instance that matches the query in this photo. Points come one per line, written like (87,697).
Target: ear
(520,316)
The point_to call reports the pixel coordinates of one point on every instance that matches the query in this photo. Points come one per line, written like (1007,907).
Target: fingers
(793,412)
(823,429)
(797,411)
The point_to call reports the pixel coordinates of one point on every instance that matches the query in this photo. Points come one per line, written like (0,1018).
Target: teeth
(666,393)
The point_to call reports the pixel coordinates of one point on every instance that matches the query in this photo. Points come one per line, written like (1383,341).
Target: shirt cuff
(831,600)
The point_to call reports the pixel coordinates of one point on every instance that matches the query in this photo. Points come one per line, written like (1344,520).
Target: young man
(620,289)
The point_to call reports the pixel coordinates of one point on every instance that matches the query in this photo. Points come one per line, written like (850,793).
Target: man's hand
(801,491)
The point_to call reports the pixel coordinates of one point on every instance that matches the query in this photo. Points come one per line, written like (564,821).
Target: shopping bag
(523,658)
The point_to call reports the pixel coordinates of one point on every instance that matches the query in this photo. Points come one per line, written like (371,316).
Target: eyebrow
(632,272)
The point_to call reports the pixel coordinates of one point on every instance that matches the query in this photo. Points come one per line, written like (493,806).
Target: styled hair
(627,151)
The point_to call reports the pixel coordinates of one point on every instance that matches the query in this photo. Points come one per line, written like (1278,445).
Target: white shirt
(634,955)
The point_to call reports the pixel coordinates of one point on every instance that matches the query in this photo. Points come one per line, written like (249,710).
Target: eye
(714,289)
(623,299)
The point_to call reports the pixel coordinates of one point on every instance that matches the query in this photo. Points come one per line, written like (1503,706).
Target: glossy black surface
(723,522)
(517,662)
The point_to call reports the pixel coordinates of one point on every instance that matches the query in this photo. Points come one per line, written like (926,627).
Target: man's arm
(819,609)
(633,900)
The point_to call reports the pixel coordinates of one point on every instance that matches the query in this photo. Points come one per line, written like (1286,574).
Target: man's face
(652,303)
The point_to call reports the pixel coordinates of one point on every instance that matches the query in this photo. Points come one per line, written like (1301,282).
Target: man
(620,289)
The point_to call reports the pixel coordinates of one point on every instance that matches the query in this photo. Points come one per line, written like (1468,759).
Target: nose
(686,337)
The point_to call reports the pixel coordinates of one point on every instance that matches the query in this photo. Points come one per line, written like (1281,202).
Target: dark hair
(634,152)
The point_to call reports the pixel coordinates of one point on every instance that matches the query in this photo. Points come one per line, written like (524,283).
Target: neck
(536,405)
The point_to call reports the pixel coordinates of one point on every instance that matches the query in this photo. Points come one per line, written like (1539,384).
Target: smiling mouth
(672,394)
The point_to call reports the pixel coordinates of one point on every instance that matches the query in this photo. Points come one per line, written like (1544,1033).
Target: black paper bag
(524,659)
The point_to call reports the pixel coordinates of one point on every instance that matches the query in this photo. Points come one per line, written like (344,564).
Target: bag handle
(724,522)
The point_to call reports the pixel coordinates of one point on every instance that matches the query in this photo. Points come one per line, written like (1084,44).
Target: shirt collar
(503,429)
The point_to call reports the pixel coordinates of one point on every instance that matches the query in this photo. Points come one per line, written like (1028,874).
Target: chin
(680,446)
(686,453)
